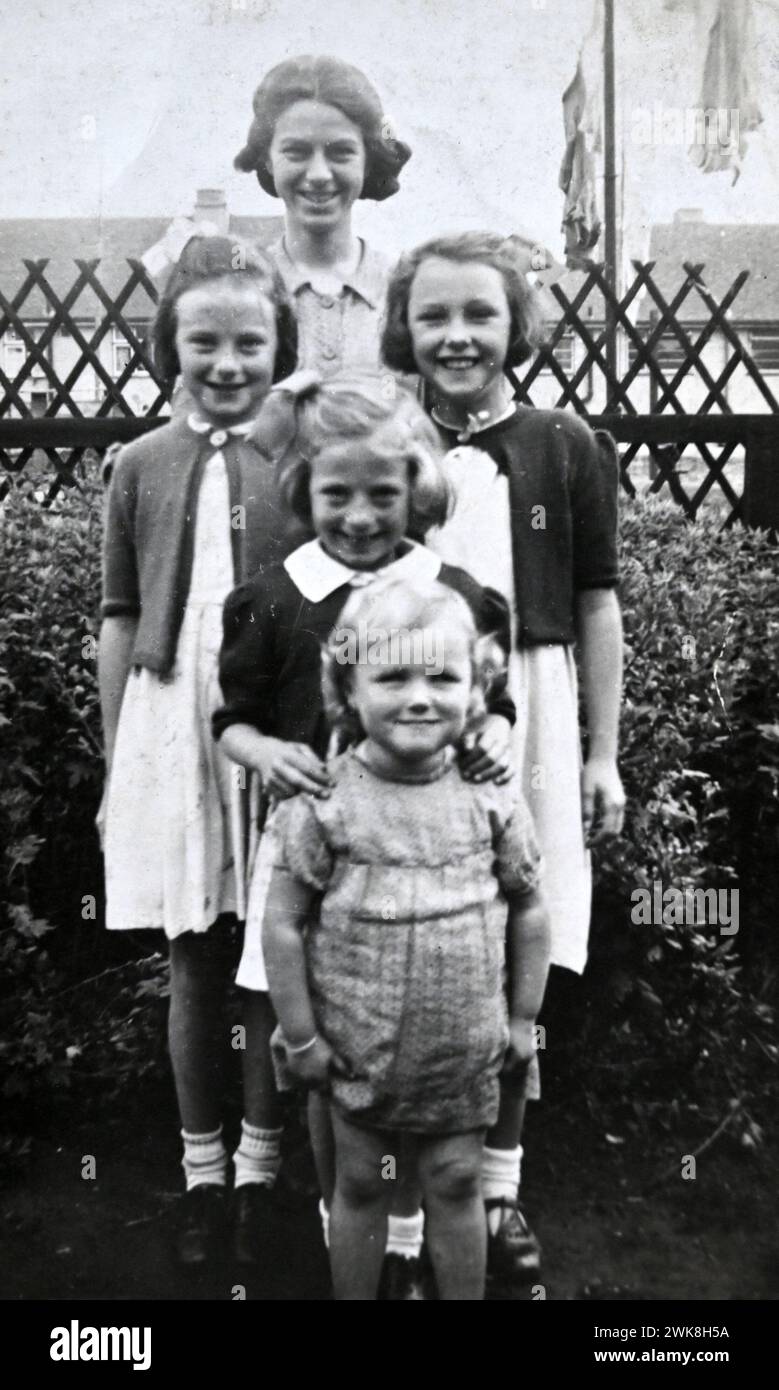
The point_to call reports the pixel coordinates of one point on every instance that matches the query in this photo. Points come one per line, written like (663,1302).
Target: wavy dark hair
(206,258)
(335,83)
(527,330)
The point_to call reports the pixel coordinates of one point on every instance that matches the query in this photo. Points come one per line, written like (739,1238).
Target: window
(764,346)
(669,353)
(14,353)
(122,353)
(563,352)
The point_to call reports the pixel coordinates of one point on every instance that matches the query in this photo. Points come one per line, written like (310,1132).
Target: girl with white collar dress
(364,474)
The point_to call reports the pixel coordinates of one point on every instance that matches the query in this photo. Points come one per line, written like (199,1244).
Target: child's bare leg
(450,1169)
(198,988)
(320,1129)
(514,1254)
(406,1197)
(506,1133)
(257,1159)
(261,1104)
(358,1217)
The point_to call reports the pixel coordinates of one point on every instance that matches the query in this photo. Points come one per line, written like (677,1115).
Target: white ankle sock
(324,1217)
(258,1156)
(404,1235)
(500,1174)
(205,1159)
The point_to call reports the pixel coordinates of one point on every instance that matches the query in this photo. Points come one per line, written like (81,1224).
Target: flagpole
(610,185)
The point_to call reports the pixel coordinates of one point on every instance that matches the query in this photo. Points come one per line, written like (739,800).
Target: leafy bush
(50,766)
(675,1008)
(667,1011)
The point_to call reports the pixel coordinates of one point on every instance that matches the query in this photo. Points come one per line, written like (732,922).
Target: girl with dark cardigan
(536,519)
(190,510)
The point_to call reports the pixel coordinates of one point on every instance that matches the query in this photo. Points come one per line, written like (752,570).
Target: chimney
(688,215)
(211,206)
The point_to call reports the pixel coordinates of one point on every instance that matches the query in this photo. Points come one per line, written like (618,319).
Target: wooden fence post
(761,474)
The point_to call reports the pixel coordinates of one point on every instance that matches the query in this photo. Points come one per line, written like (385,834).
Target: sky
(128,106)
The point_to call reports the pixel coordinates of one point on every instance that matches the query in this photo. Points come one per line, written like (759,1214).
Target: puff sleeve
(247,661)
(301,842)
(594,489)
(121,589)
(518,862)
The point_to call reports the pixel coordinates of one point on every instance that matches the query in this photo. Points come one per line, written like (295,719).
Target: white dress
(173,849)
(542,684)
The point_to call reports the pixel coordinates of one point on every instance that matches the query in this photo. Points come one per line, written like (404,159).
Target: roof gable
(111,240)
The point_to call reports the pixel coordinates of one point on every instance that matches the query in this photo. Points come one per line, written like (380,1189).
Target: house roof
(112,240)
(724,248)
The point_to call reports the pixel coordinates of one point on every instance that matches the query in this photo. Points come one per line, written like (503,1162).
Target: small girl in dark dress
(363,475)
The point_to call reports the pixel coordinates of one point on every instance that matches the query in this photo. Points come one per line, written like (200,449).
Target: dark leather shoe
(201,1225)
(513,1252)
(401,1280)
(253,1203)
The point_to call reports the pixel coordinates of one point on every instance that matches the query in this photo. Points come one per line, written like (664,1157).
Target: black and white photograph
(389,666)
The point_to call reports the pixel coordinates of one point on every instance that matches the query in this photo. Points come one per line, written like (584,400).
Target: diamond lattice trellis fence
(684,368)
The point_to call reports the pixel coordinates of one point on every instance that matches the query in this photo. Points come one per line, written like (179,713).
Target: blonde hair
(390,606)
(353,405)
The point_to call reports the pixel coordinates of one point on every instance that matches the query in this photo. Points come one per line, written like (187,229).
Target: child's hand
(521,1051)
(101,816)
(312,1067)
(603,799)
(487,757)
(289,768)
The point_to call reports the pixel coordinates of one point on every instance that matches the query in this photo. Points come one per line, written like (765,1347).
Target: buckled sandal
(513,1252)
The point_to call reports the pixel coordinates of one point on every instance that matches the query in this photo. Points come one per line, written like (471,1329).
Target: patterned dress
(406,960)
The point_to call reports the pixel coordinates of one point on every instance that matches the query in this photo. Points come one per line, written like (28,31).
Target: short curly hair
(352,405)
(334,83)
(527,332)
(399,606)
(207,258)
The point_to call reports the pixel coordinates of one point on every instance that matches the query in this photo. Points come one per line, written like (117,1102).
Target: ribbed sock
(324,1217)
(404,1235)
(500,1174)
(205,1159)
(258,1156)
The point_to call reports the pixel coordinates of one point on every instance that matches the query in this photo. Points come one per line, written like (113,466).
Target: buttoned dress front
(342,330)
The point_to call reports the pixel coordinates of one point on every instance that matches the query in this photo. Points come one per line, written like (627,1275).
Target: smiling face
(413,694)
(226,346)
(460,325)
(317,159)
(359,499)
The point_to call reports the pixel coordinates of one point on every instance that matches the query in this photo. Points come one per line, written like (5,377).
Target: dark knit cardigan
(151,511)
(554,460)
(270,663)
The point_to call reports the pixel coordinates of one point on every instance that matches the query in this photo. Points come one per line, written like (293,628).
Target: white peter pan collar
(219,436)
(317,575)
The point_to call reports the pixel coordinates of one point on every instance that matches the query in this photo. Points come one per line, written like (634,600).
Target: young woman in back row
(320,141)
(535,519)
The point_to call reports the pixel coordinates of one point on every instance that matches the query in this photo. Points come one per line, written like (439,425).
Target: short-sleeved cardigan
(555,461)
(270,663)
(150,523)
